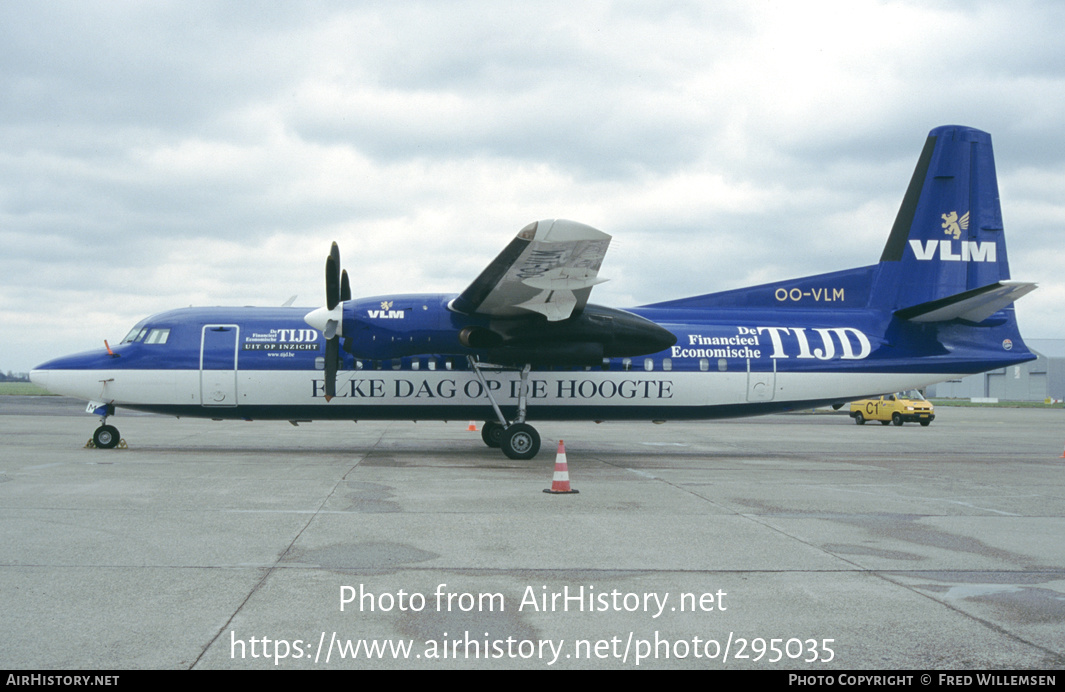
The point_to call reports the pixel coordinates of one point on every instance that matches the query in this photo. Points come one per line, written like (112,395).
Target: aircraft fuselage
(266,364)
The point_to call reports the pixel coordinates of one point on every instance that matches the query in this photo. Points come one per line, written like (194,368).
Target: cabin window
(667,363)
(626,364)
(704,364)
(722,364)
(432,364)
(415,363)
(648,364)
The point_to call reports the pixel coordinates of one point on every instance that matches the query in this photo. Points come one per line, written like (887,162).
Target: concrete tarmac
(796,541)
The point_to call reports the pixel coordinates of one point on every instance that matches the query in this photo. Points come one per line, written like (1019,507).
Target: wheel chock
(121,444)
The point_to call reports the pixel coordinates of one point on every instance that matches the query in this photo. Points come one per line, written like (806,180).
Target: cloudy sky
(163,154)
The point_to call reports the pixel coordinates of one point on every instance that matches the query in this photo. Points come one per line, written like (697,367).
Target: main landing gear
(516,438)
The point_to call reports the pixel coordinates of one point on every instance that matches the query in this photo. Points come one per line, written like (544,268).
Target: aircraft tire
(105,437)
(492,433)
(859,418)
(896,419)
(520,441)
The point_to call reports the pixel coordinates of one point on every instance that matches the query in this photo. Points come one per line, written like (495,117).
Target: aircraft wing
(549,268)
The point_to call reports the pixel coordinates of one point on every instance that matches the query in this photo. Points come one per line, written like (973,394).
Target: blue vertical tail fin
(946,255)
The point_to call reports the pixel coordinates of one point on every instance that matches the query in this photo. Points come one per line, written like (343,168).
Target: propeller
(330,319)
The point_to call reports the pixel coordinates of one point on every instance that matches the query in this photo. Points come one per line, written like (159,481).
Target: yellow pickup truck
(898,408)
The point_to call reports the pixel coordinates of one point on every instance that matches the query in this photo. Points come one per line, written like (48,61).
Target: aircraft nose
(39,377)
(76,375)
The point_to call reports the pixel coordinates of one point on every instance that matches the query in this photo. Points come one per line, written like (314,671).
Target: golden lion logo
(952,225)
(386,304)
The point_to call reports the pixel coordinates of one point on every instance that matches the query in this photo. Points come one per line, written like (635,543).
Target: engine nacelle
(387,327)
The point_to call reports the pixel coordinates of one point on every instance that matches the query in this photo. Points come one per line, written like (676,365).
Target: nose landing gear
(106,436)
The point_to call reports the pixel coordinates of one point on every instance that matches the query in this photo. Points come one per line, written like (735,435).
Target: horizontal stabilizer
(973,306)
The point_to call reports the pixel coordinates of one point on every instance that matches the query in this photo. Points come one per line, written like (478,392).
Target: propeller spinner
(330,319)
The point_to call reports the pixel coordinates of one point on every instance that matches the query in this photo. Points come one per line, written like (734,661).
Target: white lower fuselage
(459,395)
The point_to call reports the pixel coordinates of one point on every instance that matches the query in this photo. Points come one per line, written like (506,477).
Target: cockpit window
(136,334)
(141,333)
(157,336)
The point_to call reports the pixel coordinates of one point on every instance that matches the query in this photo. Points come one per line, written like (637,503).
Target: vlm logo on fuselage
(386,312)
(955,250)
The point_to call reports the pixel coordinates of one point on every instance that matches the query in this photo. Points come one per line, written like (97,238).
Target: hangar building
(1037,380)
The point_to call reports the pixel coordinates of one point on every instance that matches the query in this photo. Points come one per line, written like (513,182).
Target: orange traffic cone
(560,484)
(1063,455)
(472,427)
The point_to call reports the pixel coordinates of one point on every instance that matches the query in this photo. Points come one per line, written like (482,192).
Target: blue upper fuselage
(721,338)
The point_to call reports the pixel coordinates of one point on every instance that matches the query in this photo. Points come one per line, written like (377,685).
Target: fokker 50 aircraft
(522,341)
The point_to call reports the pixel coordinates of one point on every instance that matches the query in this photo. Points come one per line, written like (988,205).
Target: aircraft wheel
(105,437)
(492,433)
(896,419)
(859,418)
(520,441)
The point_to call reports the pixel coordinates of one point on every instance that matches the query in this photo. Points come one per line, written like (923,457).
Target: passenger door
(761,385)
(218,365)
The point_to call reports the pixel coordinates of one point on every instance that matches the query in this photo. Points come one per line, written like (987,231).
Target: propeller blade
(337,289)
(345,287)
(332,351)
(332,282)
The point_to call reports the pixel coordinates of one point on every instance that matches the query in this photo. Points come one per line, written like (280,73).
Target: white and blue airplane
(523,341)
